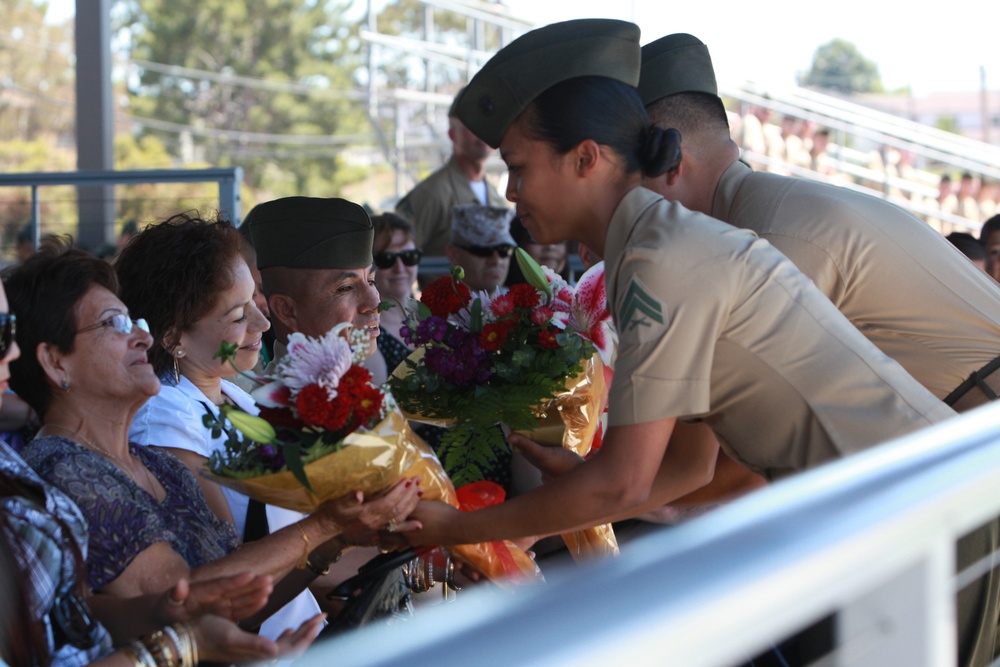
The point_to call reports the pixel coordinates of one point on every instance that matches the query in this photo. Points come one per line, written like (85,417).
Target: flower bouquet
(323,431)
(529,359)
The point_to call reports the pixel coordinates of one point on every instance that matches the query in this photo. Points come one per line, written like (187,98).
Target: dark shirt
(124,520)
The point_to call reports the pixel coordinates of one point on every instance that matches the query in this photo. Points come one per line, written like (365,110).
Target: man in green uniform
(315,261)
(461,181)
(897,280)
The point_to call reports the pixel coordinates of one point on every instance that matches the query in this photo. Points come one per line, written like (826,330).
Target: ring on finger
(391,526)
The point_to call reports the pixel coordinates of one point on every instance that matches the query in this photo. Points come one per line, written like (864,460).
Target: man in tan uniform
(897,280)
(461,181)
(900,282)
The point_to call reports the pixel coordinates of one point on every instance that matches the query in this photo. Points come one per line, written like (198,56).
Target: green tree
(948,123)
(266,85)
(838,65)
(36,73)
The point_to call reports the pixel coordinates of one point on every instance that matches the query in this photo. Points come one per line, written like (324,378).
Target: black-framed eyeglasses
(504,250)
(9,323)
(120,322)
(386,259)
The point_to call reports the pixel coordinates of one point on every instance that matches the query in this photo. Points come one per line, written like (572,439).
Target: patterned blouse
(38,532)
(393,350)
(124,520)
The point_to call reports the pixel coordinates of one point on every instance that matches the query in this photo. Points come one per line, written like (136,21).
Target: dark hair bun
(661,151)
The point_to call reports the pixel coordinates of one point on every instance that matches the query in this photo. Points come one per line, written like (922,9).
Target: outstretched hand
(360,520)
(234,598)
(551,461)
(220,640)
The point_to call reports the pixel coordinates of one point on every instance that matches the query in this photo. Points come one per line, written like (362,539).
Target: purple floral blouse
(123,519)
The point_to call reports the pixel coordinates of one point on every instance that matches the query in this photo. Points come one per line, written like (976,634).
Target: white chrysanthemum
(322,361)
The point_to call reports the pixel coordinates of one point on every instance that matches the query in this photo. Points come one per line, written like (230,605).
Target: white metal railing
(870,538)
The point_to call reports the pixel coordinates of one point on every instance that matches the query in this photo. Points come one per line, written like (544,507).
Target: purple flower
(466,365)
(433,328)
(273,458)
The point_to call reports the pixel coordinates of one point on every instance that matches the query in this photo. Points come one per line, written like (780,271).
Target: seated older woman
(48,618)
(86,374)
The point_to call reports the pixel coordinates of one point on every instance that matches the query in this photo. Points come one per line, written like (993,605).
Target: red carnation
(355,376)
(547,339)
(445,296)
(316,408)
(502,305)
(524,295)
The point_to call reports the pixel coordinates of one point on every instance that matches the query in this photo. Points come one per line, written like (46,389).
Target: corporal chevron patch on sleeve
(640,309)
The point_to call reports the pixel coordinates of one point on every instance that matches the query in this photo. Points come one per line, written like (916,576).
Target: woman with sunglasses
(397,260)
(149,522)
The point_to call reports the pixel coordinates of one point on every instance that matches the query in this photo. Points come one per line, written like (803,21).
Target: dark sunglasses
(9,323)
(386,259)
(503,250)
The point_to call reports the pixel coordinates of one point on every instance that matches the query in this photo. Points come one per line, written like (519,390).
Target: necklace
(126,468)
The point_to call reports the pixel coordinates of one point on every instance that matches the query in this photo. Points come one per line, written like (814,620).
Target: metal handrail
(228,178)
(869,538)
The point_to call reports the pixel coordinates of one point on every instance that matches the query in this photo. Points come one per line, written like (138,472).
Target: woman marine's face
(539,184)
(235,319)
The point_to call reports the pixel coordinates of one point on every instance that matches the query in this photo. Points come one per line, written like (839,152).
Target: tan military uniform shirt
(715,324)
(428,205)
(900,282)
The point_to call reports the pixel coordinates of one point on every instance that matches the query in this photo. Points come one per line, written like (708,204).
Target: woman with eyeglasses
(397,260)
(49,617)
(149,522)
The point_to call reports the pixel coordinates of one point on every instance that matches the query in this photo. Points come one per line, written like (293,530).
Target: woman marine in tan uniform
(715,325)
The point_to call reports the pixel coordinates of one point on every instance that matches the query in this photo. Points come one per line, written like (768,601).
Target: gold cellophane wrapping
(371,460)
(570,420)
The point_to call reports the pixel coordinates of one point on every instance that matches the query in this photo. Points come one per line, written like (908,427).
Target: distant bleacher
(867,150)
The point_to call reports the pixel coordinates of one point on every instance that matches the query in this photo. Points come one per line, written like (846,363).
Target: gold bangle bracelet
(306,550)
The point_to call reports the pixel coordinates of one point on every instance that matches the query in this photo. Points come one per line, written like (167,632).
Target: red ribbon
(478,495)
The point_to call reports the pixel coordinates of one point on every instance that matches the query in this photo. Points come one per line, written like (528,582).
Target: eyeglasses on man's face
(503,250)
(120,322)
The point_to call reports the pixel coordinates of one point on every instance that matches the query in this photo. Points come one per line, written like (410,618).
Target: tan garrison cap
(538,60)
(485,226)
(677,63)
(311,233)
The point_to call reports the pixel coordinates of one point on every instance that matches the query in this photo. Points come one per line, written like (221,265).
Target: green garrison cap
(311,233)
(538,60)
(677,63)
